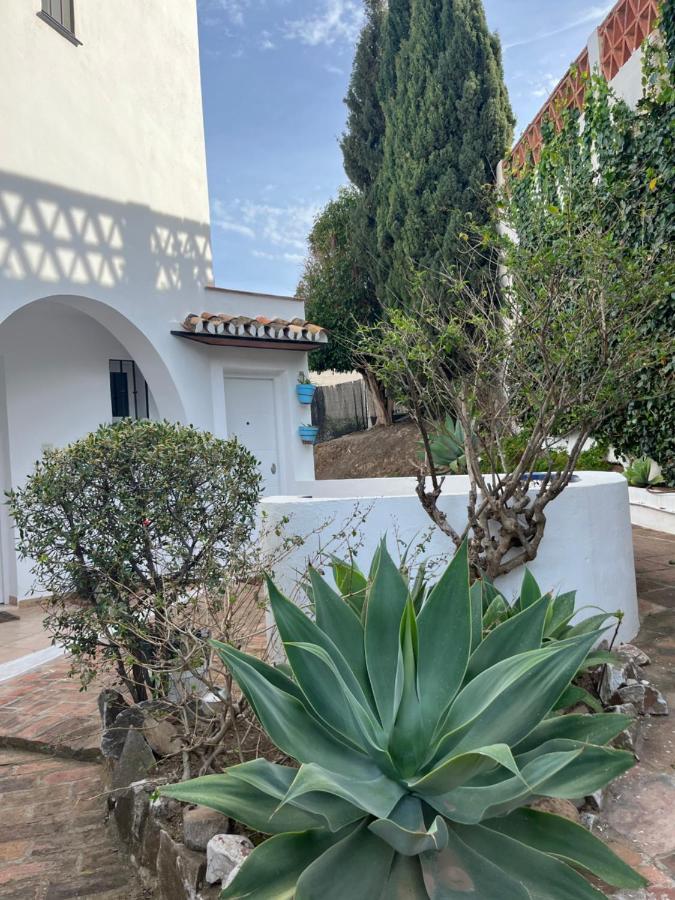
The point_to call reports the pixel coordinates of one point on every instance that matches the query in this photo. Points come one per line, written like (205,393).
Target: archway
(60,360)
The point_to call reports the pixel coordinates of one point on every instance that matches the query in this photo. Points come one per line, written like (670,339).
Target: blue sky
(274,73)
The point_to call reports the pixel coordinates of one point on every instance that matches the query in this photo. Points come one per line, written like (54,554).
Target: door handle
(273,468)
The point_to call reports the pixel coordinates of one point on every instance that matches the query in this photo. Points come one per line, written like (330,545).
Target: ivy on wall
(621,161)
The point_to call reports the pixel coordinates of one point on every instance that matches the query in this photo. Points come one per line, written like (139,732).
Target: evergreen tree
(448,123)
(362,142)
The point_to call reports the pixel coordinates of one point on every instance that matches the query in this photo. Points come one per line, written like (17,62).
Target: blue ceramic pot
(305,393)
(308,433)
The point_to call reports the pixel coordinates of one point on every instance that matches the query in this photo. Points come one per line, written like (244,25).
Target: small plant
(420,747)
(446,446)
(303,378)
(639,473)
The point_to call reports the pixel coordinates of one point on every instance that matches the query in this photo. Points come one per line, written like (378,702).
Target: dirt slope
(378,453)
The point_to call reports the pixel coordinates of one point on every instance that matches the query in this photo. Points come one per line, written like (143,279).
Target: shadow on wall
(58,236)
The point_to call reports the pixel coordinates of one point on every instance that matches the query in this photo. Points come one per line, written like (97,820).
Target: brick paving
(46,710)
(53,843)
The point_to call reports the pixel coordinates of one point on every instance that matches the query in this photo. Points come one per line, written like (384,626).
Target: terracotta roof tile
(258,327)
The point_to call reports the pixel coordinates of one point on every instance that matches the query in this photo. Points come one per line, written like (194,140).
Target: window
(129,396)
(60,15)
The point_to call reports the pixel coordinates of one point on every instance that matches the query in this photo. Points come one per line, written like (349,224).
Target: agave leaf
(280,676)
(243,802)
(593,768)
(460,873)
(590,624)
(374,794)
(561,611)
(499,705)
(411,843)
(275,781)
(351,583)
(295,626)
(458,770)
(542,876)
(319,677)
(405,880)
(571,842)
(530,591)
(518,634)
(272,871)
(441,665)
(469,805)
(476,601)
(573,695)
(289,723)
(495,612)
(589,729)
(386,601)
(339,621)
(408,744)
(356,868)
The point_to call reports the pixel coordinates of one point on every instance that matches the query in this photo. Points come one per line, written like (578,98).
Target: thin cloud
(212,10)
(593,15)
(340,20)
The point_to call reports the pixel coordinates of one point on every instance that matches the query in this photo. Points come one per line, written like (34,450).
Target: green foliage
(362,141)
(419,747)
(448,124)
(447,447)
(639,473)
(126,521)
(621,168)
(337,290)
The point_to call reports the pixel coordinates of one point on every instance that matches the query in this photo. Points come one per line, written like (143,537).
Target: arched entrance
(67,365)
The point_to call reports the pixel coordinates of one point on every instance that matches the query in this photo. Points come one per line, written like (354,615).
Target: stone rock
(225,854)
(180,872)
(115,735)
(200,825)
(564,808)
(655,702)
(596,801)
(135,762)
(633,692)
(110,704)
(633,654)
(613,679)
(630,895)
(161,735)
(588,820)
(130,812)
(624,709)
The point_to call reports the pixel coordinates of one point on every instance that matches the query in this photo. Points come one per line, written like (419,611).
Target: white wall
(587,546)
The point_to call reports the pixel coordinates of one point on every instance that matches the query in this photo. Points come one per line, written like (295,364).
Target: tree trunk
(380,404)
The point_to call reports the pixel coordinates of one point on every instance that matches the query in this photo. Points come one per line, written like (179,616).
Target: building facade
(105,254)
(614,50)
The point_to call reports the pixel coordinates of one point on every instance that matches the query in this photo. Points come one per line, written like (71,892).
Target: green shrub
(126,521)
(420,746)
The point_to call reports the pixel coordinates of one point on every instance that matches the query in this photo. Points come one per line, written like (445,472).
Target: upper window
(60,14)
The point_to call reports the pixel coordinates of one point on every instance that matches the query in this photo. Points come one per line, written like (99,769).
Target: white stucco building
(105,250)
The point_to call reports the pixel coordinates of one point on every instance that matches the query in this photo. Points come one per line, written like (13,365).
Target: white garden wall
(587,546)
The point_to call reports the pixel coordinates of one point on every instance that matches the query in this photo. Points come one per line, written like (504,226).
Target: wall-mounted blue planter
(305,393)
(308,433)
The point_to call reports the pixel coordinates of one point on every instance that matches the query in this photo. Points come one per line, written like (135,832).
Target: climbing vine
(620,162)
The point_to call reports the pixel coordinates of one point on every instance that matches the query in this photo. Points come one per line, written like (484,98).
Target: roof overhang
(259,343)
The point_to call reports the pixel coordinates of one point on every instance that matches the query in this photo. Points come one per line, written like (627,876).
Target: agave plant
(639,473)
(419,746)
(447,447)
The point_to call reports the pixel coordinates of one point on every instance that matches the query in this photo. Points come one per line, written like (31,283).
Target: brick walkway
(53,844)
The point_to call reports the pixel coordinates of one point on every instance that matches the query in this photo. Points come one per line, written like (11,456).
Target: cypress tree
(362,141)
(447,125)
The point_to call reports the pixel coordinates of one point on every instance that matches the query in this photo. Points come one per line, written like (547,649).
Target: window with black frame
(129,395)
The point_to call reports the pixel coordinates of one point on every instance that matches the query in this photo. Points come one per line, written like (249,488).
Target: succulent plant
(639,473)
(447,447)
(420,746)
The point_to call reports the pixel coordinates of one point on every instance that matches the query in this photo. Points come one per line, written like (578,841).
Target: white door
(251,416)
